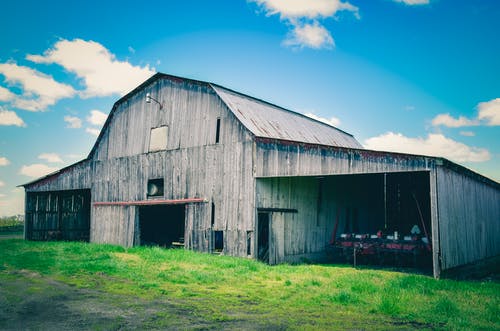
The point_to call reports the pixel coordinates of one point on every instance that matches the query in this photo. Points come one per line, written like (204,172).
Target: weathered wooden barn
(189,163)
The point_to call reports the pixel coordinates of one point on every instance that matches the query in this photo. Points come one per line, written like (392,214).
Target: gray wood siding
(77,176)
(273,159)
(113,225)
(190,112)
(292,234)
(469,218)
(192,166)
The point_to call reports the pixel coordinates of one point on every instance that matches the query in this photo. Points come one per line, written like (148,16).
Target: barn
(186,163)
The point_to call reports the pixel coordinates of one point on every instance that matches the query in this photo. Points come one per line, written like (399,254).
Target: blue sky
(417,76)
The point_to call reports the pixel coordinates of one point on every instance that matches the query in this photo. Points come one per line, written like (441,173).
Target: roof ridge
(279,107)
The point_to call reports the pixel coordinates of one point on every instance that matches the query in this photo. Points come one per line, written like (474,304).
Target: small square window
(158,139)
(155,187)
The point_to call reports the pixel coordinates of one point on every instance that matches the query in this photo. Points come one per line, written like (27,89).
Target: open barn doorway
(380,219)
(162,225)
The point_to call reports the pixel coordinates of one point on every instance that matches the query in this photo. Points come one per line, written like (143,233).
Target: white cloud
(50,157)
(2,195)
(4,161)
(101,72)
(93,131)
(5,94)
(97,117)
(414,2)
(10,118)
(490,112)
(73,122)
(2,183)
(39,90)
(332,121)
(451,122)
(467,133)
(310,35)
(304,18)
(433,145)
(36,170)
(292,9)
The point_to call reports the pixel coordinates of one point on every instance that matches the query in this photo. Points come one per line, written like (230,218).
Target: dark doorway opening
(381,219)
(58,215)
(263,237)
(162,225)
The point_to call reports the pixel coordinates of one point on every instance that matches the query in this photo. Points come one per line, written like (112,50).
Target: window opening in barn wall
(158,139)
(263,237)
(249,243)
(217,131)
(212,218)
(155,187)
(218,241)
(162,225)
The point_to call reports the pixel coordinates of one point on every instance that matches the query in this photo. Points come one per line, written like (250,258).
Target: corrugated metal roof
(269,121)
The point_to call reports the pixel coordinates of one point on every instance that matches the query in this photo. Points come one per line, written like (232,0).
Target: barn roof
(261,118)
(269,121)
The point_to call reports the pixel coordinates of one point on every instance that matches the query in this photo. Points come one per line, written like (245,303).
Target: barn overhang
(150,202)
(372,214)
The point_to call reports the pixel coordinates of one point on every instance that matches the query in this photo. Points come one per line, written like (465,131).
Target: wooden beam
(149,202)
(277,210)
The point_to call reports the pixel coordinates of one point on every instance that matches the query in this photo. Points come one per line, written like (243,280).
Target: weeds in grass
(300,296)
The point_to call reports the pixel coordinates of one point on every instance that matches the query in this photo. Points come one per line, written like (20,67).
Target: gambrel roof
(261,118)
(269,121)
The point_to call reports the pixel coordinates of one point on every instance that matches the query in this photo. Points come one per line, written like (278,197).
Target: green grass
(222,288)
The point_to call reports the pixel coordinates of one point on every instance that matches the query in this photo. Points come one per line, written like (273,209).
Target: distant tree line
(11,223)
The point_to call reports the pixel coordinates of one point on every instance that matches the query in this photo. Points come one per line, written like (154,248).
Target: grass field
(109,287)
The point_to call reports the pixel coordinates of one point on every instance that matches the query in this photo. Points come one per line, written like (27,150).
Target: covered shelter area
(377,219)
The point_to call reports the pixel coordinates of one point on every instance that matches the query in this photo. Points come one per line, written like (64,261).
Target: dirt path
(29,301)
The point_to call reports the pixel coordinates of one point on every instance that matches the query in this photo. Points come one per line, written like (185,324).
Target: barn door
(75,216)
(277,238)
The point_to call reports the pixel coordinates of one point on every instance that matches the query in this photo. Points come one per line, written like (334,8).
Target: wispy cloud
(451,122)
(39,90)
(50,157)
(488,114)
(413,2)
(432,145)
(304,18)
(333,121)
(8,117)
(4,161)
(73,122)
(97,117)
(5,94)
(467,133)
(311,35)
(102,74)
(2,183)
(36,170)
(93,131)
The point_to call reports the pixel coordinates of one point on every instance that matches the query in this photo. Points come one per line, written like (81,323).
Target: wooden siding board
(469,219)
